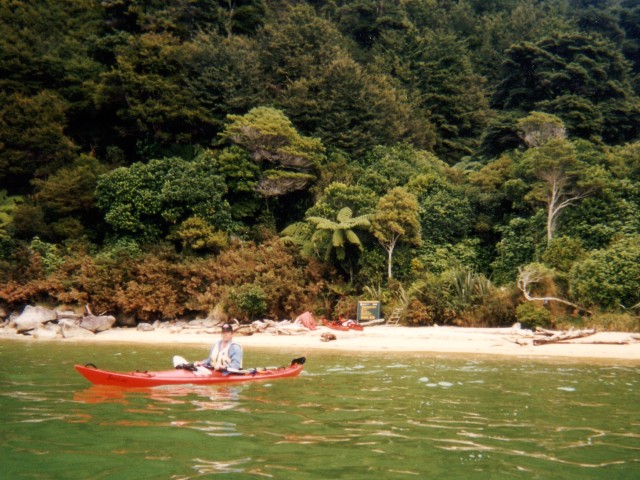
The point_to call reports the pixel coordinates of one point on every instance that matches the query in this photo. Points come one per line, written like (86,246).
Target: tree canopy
(170,158)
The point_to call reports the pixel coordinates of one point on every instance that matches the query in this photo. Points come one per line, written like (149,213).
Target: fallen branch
(530,275)
(544,331)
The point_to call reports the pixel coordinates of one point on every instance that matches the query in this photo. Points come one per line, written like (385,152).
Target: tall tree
(355,110)
(32,138)
(185,18)
(630,23)
(223,75)
(297,44)
(492,30)
(583,79)
(435,66)
(147,92)
(367,20)
(48,44)
(396,220)
(560,180)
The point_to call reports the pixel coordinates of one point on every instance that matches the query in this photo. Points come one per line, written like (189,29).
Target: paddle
(180,362)
(241,371)
(253,371)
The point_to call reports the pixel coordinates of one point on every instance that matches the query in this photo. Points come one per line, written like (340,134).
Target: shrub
(532,315)
(611,322)
(247,301)
(609,278)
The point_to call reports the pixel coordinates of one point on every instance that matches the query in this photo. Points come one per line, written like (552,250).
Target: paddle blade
(178,361)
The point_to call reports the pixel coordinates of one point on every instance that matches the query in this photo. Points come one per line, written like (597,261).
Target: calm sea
(357,416)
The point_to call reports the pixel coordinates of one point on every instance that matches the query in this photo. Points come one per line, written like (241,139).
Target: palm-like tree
(336,236)
(321,236)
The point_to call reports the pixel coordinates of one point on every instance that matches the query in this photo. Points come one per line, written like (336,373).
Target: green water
(345,417)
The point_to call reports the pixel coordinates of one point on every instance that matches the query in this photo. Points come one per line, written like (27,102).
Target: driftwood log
(550,336)
(284,327)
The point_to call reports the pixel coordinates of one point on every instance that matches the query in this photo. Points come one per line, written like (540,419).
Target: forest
(464,162)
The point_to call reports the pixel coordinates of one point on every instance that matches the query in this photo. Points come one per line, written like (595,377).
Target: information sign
(368,310)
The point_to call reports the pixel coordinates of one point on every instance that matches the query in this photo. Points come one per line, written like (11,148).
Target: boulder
(46,332)
(32,318)
(97,324)
(70,329)
(145,327)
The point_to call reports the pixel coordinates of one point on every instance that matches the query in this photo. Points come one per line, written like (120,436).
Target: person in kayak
(225,353)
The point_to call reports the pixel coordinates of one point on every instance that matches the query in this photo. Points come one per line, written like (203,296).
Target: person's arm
(207,361)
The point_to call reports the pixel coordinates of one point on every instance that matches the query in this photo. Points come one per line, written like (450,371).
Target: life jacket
(220,358)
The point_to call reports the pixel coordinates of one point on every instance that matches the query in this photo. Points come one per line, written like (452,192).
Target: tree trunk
(389,248)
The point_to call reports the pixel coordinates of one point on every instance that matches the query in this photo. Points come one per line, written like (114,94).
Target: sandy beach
(383,338)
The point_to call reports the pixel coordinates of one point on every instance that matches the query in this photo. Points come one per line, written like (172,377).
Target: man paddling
(225,353)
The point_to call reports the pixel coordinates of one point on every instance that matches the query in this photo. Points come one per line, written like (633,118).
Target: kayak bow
(181,376)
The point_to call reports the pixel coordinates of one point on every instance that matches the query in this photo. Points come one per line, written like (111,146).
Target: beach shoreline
(514,342)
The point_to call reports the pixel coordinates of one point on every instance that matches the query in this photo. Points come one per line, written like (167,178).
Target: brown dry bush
(90,281)
(419,314)
(271,266)
(154,292)
(162,285)
(497,310)
(22,282)
(346,307)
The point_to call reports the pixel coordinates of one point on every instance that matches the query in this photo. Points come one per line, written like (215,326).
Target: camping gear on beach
(187,373)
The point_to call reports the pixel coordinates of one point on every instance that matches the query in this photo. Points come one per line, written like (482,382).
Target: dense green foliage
(161,159)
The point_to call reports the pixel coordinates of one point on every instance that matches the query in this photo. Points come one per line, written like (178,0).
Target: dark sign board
(368,311)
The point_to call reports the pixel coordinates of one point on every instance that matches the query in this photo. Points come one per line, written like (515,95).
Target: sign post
(368,310)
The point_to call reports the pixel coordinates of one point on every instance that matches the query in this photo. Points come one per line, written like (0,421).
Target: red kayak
(342,327)
(181,376)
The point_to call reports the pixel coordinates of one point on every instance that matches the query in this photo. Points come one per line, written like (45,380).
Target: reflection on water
(203,398)
(347,417)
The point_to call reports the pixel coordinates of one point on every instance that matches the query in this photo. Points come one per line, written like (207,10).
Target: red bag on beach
(307,320)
